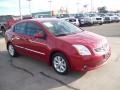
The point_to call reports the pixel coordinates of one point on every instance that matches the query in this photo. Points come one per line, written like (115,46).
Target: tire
(60,63)
(117,21)
(3,31)
(100,23)
(11,50)
(79,23)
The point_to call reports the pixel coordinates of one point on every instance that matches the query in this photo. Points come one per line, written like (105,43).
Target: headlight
(82,50)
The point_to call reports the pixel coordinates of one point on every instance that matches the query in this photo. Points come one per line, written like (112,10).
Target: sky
(11,7)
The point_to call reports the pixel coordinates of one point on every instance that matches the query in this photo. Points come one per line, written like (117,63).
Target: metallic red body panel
(42,49)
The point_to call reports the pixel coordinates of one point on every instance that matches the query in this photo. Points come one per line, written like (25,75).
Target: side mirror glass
(39,35)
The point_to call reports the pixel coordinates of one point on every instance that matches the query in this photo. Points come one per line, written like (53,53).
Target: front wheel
(60,63)
(11,50)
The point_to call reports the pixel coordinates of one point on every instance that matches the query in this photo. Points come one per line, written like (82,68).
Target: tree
(102,9)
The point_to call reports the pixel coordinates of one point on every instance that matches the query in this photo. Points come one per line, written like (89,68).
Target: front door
(36,47)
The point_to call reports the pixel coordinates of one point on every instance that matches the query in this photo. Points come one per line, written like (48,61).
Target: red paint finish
(42,49)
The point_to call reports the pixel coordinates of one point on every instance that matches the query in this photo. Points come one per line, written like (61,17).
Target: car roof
(41,19)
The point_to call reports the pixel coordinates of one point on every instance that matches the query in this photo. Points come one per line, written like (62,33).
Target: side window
(20,28)
(33,28)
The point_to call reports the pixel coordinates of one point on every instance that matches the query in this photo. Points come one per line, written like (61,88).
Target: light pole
(50,1)
(29,1)
(20,9)
(91,5)
(78,7)
(85,6)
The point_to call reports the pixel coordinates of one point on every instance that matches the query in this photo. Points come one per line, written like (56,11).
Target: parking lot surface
(24,73)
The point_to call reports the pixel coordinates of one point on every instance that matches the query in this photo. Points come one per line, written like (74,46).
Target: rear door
(19,37)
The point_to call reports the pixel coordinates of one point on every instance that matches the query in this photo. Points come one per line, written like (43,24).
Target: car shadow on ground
(40,75)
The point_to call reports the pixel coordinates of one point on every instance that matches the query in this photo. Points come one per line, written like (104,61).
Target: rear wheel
(60,63)
(3,31)
(79,23)
(11,50)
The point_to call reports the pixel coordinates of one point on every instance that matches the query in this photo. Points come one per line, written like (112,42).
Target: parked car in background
(118,14)
(69,18)
(106,18)
(89,18)
(113,17)
(95,19)
(83,19)
(6,21)
(27,17)
(59,43)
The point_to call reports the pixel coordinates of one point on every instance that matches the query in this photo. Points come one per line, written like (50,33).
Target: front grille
(107,18)
(98,18)
(116,18)
(72,20)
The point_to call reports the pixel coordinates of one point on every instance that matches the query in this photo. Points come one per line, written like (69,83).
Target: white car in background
(113,17)
(118,14)
(94,18)
(88,19)
(106,18)
(69,18)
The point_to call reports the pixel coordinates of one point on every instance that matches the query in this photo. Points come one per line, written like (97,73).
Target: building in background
(42,14)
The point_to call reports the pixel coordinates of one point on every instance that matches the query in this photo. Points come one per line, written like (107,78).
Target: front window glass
(33,29)
(110,14)
(80,15)
(92,15)
(61,28)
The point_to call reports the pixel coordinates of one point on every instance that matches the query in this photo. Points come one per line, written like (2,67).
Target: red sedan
(58,43)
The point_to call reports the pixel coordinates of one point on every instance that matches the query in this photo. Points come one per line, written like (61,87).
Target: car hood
(85,38)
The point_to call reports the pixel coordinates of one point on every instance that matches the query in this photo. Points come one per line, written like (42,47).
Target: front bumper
(86,63)
(97,21)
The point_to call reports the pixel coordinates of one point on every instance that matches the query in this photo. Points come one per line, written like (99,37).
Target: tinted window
(20,28)
(92,15)
(33,28)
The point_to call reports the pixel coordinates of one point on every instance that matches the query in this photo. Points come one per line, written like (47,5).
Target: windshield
(79,15)
(92,15)
(110,14)
(61,28)
(101,15)
(64,15)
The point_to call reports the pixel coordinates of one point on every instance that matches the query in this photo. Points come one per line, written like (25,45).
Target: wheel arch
(58,51)
(7,44)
